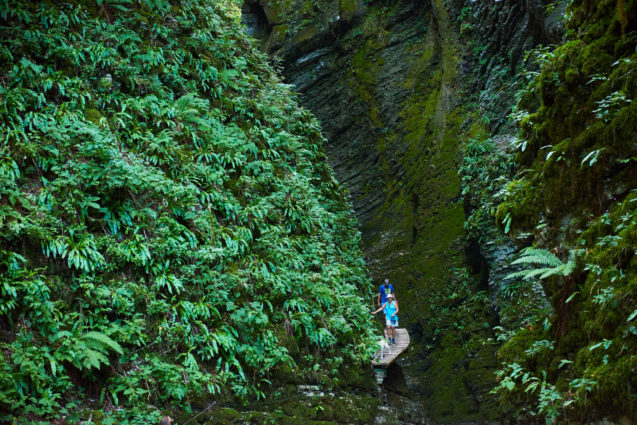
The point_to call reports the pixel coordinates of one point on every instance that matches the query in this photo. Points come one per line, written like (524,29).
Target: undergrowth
(574,198)
(169,229)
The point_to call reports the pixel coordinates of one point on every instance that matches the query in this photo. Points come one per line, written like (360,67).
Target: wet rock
(390,83)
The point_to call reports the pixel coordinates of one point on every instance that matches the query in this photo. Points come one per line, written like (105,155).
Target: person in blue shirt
(390,308)
(383,290)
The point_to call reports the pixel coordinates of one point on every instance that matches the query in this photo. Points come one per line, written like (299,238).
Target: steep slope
(575,195)
(170,231)
(401,89)
(415,98)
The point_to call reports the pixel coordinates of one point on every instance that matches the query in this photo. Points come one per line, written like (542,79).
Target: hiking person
(390,308)
(165,420)
(383,290)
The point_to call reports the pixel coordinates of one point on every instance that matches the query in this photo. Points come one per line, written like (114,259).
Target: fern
(100,342)
(93,359)
(548,264)
(538,256)
(170,181)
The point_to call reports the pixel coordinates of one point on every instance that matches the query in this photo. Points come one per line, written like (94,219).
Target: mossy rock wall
(391,90)
(575,195)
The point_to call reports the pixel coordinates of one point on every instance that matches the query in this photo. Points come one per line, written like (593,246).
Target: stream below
(398,405)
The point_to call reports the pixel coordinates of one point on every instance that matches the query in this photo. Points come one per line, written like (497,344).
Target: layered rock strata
(398,87)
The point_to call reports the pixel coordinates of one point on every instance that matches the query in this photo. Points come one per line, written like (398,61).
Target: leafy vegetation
(575,193)
(170,230)
(547,264)
(486,167)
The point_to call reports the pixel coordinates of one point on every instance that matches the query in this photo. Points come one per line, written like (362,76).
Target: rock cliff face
(398,87)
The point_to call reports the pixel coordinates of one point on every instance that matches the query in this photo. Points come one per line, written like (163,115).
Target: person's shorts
(393,322)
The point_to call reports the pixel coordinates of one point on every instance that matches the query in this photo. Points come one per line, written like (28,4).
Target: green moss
(365,65)
(97,416)
(349,7)
(576,193)
(224,416)
(295,22)
(307,33)
(93,115)
(276,11)
(436,294)
(294,408)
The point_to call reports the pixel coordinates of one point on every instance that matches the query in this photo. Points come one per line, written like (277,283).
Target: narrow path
(402,342)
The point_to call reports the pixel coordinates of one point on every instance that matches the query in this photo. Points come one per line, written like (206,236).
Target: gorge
(182,234)
(403,91)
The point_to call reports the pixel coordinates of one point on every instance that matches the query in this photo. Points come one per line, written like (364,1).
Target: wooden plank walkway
(402,342)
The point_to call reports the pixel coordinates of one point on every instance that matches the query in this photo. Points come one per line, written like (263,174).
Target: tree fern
(546,264)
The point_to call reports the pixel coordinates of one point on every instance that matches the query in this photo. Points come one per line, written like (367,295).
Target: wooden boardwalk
(402,342)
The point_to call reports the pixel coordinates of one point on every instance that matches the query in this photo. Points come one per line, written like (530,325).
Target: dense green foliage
(546,264)
(575,196)
(169,228)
